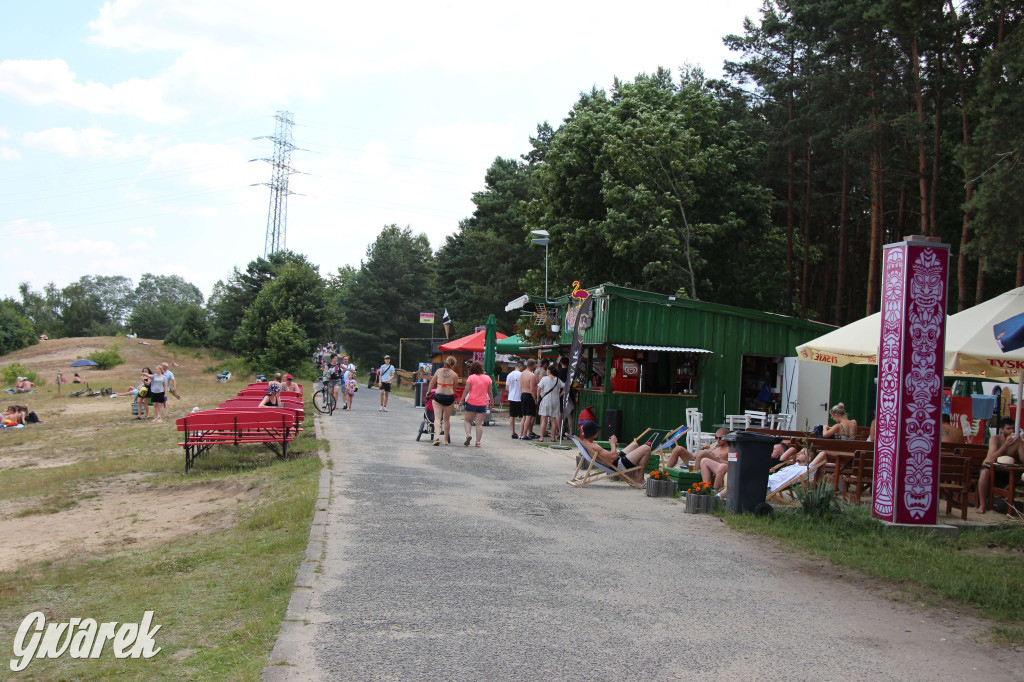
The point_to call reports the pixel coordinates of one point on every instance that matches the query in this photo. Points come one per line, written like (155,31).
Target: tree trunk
(1020,269)
(844,223)
(933,223)
(874,255)
(805,276)
(901,217)
(965,230)
(979,287)
(790,191)
(922,160)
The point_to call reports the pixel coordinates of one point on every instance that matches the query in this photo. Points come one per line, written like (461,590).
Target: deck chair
(589,470)
(670,440)
(784,483)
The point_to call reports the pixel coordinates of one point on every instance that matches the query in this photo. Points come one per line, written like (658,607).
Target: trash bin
(750,456)
(419,389)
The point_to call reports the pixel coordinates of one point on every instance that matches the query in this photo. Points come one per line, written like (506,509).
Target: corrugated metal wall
(629,316)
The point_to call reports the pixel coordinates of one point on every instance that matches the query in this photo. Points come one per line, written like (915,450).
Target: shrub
(14,370)
(818,500)
(108,357)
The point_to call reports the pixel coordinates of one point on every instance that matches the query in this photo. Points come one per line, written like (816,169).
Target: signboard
(426,318)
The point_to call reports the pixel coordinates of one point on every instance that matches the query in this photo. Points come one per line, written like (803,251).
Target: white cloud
(8,154)
(51,81)
(4,135)
(90,143)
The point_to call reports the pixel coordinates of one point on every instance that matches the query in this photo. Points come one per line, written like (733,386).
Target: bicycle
(324,400)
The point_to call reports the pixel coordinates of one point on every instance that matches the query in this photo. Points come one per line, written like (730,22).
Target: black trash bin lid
(751,437)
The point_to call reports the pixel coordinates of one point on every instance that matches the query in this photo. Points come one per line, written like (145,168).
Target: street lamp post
(543,240)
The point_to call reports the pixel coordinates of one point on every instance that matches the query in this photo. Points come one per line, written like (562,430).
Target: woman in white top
(550,390)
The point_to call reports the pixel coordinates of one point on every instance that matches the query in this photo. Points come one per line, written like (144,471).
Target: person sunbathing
(633,455)
(788,473)
(23,385)
(77,379)
(718,451)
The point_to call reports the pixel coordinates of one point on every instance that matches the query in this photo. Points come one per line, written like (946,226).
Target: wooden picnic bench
(273,427)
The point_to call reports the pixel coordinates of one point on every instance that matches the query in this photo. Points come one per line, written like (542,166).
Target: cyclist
(332,376)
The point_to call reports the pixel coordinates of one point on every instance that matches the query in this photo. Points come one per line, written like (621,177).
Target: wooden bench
(275,428)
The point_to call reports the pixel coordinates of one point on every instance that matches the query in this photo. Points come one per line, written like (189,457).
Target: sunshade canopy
(474,343)
(970,344)
(84,363)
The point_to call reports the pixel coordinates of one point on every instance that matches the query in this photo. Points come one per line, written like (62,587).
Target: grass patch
(219,595)
(220,598)
(982,567)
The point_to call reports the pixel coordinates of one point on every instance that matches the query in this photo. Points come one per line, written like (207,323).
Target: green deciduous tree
(394,285)
(297,293)
(481,266)
(287,349)
(16,330)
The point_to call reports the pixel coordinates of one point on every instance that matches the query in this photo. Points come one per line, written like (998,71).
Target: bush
(108,358)
(14,370)
(287,348)
(818,500)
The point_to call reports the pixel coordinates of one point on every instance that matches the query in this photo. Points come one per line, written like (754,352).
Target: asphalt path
(464,563)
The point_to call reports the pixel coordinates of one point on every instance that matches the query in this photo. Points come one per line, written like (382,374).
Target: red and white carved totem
(910,355)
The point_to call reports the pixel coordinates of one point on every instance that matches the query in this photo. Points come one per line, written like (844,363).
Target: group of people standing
(536,390)
(152,389)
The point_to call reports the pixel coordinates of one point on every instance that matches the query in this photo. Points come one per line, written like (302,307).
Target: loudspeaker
(612,424)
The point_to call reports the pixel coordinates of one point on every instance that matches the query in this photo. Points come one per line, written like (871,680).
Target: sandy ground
(116,515)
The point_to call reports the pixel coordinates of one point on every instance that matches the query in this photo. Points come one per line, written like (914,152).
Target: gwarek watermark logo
(82,638)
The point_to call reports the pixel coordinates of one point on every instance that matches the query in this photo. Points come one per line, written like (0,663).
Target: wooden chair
(589,470)
(782,421)
(670,441)
(955,483)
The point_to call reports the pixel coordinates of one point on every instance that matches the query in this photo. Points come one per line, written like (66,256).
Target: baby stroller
(427,423)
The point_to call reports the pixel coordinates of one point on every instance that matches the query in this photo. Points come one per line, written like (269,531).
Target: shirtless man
(950,433)
(528,386)
(23,385)
(633,456)
(1005,443)
(719,452)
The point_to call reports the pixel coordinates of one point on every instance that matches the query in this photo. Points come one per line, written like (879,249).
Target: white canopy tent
(971,344)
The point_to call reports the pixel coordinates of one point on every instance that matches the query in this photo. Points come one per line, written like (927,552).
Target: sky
(128,128)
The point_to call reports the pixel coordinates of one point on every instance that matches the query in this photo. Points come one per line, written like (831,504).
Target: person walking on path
(476,400)
(384,375)
(444,381)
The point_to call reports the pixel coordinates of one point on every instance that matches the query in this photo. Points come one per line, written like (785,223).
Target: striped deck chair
(589,470)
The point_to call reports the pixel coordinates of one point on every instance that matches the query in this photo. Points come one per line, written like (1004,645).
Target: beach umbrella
(474,343)
(84,363)
(854,344)
(971,343)
(857,344)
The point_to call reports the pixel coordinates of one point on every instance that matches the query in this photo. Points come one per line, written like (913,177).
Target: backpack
(32,418)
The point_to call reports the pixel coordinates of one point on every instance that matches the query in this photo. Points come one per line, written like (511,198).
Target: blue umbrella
(84,363)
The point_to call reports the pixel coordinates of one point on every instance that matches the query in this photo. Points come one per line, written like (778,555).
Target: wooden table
(1015,471)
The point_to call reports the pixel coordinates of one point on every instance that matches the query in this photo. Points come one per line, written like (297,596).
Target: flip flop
(478,444)
(468,439)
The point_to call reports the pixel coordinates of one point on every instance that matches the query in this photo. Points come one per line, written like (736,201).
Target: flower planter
(701,504)
(660,487)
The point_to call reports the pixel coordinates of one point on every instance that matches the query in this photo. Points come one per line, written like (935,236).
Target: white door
(805,392)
